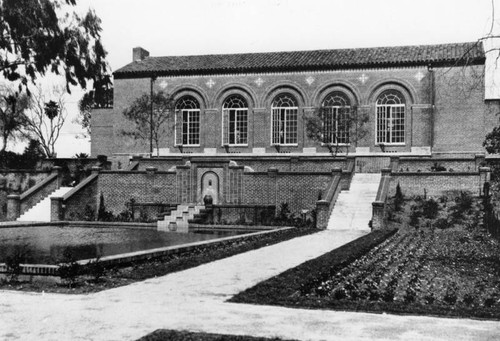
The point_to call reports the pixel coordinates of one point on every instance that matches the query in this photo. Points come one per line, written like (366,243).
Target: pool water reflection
(46,244)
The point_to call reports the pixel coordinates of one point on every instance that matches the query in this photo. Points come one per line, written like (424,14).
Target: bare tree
(337,129)
(46,116)
(150,115)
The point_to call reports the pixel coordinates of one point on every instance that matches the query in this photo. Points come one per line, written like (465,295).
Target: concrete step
(41,211)
(353,209)
(178,220)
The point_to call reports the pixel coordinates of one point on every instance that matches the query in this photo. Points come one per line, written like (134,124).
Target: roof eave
(299,68)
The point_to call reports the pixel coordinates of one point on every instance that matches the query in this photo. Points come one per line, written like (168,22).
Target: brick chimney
(138,53)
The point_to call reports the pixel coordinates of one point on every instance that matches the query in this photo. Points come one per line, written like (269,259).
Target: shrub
(438,168)
(430,209)
(13,262)
(414,216)
(398,198)
(464,201)
(96,269)
(441,223)
(102,214)
(284,213)
(69,270)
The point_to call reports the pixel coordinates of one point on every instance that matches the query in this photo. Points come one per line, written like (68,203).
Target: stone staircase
(41,211)
(353,209)
(178,220)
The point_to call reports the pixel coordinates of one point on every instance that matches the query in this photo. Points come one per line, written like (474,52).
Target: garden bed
(440,262)
(102,279)
(173,335)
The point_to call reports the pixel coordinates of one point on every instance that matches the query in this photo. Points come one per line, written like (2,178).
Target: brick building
(418,99)
(242,117)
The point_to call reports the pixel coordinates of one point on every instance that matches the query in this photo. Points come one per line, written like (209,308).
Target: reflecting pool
(47,244)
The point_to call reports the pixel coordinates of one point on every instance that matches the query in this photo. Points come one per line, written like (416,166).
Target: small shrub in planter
(96,269)
(13,262)
(69,270)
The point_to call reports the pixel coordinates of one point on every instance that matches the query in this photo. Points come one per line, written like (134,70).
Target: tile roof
(442,54)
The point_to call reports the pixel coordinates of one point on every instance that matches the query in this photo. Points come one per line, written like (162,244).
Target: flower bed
(290,287)
(440,262)
(123,275)
(172,335)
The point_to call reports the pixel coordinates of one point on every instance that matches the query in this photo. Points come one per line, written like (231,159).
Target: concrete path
(194,300)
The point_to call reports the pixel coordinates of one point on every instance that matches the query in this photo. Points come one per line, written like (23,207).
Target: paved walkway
(195,300)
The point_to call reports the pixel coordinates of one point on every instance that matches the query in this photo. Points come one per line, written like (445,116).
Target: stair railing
(325,206)
(380,203)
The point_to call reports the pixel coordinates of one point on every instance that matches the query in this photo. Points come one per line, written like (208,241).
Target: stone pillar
(96,170)
(394,163)
(378,210)
(13,207)
(322,214)
(58,170)
(480,160)
(151,170)
(56,209)
(484,176)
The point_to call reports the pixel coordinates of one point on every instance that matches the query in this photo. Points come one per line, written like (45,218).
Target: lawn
(440,262)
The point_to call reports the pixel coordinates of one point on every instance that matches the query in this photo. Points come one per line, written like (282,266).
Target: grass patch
(173,335)
(134,272)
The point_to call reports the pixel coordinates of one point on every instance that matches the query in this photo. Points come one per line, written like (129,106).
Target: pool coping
(52,270)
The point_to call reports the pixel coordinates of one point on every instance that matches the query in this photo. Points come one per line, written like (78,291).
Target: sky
(193,27)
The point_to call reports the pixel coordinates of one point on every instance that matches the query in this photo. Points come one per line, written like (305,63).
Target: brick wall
(423,165)
(461,118)
(118,187)
(77,206)
(435,184)
(299,190)
(259,97)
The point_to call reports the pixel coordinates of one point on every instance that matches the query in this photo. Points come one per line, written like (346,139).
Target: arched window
(187,121)
(284,120)
(336,118)
(390,118)
(235,121)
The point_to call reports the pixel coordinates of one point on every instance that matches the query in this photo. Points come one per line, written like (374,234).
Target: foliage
(438,168)
(289,287)
(69,269)
(19,255)
(150,115)
(81,156)
(398,198)
(430,208)
(96,269)
(347,119)
(463,205)
(451,272)
(174,335)
(12,116)
(492,141)
(102,214)
(101,98)
(33,153)
(49,36)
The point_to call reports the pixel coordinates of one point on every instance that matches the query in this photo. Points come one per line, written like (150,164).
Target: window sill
(336,144)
